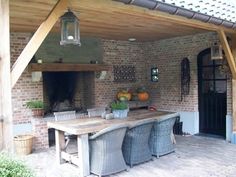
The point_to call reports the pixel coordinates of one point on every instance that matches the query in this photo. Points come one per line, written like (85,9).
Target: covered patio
(194,156)
(122,42)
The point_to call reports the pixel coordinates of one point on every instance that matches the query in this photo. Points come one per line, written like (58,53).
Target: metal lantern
(216,52)
(154,74)
(70,29)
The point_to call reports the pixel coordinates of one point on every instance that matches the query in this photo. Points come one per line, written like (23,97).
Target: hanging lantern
(70,29)
(216,52)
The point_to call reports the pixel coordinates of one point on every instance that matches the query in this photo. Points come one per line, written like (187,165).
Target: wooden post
(37,39)
(234,89)
(60,145)
(83,154)
(5,79)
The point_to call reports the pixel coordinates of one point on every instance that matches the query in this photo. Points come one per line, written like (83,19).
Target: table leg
(83,154)
(60,145)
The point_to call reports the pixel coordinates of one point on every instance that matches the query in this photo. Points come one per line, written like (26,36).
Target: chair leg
(67,142)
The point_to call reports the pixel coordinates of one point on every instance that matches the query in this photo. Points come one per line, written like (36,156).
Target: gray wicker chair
(105,151)
(160,139)
(135,146)
(65,115)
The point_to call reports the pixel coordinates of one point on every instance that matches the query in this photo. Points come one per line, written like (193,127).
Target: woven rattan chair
(105,151)
(161,142)
(66,115)
(135,146)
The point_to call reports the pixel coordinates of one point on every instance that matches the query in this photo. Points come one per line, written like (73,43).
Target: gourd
(123,94)
(142,94)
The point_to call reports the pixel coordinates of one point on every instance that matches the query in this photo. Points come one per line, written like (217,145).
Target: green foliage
(10,167)
(119,105)
(34,104)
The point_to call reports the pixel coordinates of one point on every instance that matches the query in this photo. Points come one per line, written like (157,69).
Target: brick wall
(167,55)
(120,53)
(25,89)
(165,94)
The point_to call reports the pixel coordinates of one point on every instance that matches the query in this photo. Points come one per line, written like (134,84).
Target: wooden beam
(37,39)
(229,56)
(5,79)
(233,47)
(55,67)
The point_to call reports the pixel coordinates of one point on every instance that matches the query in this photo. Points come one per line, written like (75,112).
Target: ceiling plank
(229,55)
(37,39)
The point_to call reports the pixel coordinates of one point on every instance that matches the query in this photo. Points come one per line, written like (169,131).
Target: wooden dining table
(82,127)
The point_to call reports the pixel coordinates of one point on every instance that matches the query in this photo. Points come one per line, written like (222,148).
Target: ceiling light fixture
(132,39)
(70,33)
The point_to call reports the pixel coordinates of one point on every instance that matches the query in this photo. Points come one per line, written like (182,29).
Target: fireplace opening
(66,91)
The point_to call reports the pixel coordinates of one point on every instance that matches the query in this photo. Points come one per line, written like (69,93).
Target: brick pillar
(40,131)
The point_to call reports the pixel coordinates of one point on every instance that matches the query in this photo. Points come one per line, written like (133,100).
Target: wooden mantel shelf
(56,67)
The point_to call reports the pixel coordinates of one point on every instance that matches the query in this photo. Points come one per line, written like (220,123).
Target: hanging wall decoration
(185,77)
(124,73)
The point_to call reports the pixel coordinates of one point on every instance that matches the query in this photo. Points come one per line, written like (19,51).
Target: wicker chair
(135,146)
(105,151)
(66,115)
(160,140)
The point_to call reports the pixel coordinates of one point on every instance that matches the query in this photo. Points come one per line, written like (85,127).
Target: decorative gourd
(125,94)
(143,96)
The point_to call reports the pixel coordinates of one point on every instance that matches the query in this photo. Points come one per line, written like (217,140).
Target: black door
(212,95)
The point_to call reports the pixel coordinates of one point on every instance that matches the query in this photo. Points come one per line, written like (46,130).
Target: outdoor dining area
(108,146)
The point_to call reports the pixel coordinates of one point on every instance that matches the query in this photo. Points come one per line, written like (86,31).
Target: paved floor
(195,156)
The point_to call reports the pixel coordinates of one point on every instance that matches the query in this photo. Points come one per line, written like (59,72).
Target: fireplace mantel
(57,67)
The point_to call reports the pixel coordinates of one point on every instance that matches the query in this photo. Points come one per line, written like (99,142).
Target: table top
(94,124)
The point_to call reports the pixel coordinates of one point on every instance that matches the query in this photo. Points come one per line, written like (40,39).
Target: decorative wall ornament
(185,77)
(124,73)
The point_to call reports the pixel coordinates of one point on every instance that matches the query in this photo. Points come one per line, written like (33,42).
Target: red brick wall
(167,55)
(120,53)
(25,89)
(165,94)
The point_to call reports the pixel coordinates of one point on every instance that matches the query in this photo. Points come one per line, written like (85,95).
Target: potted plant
(37,107)
(119,109)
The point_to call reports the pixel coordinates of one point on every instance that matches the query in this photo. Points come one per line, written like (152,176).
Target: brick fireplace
(66,91)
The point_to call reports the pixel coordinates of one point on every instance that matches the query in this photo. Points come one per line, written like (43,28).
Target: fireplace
(66,91)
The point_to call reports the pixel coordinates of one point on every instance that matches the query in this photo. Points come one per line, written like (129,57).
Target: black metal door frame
(212,103)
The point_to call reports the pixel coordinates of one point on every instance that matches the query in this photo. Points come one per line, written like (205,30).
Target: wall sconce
(154,74)
(216,52)
(70,33)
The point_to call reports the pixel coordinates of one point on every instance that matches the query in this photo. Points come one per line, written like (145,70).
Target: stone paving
(195,156)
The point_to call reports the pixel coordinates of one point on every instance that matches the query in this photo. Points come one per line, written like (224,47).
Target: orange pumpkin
(124,94)
(143,96)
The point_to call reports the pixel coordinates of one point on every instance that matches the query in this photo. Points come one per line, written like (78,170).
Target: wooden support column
(37,39)
(5,79)
(231,58)
(229,55)
(234,87)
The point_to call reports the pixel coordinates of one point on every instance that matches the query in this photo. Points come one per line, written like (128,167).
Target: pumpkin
(143,96)
(124,94)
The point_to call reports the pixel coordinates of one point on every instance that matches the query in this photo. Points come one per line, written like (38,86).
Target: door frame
(199,58)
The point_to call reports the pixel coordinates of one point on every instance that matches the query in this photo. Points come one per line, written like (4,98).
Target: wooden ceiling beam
(140,12)
(37,39)
(229,55)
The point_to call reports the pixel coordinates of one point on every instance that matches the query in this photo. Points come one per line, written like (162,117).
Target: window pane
(220,72)
(220,86)
(206,60)
(207,86)
(207,72)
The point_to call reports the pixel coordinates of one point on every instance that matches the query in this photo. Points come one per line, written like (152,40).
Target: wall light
(70,33)
(216,52)
(154,74)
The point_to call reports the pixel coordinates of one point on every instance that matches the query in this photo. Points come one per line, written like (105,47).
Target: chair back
(108,130)
(93,112)
(65,115)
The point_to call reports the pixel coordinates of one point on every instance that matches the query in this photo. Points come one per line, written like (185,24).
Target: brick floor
(194,157)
